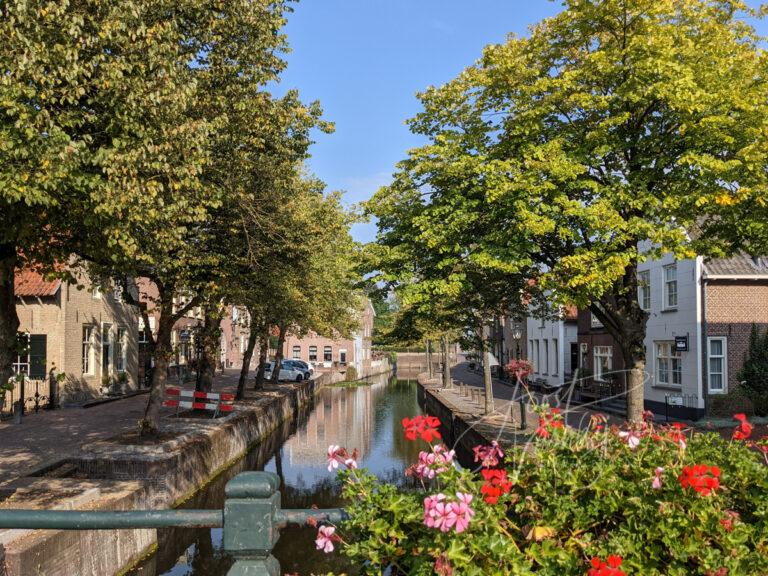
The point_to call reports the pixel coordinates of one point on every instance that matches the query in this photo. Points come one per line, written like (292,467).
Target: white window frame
(556,354)
(537,347)
(644,289)
(87,350)
(344,352)
(669,356)
(546,356)
(296,352)
(724,358)
(599,352)
(668,304)
(311,350)
(327,353)
(22,361)
(121,349)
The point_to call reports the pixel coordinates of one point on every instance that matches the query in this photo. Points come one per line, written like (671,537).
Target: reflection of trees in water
(368,416)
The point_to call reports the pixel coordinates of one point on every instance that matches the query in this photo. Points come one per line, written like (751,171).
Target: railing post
(250,527)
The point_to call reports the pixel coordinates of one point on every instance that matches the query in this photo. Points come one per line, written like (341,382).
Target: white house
(549,345)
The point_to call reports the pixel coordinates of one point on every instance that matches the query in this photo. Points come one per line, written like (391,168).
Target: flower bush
(609,501)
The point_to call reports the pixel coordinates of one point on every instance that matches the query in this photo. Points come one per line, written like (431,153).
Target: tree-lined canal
(363,417)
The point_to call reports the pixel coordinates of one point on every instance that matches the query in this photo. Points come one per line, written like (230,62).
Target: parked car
(306,366)
(287,372)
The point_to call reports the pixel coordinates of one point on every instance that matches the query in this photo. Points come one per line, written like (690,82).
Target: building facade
(552,344)
(329,353)
(90,336)
(235,330)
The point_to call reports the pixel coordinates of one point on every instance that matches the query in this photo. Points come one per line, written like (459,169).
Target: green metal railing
(251,518)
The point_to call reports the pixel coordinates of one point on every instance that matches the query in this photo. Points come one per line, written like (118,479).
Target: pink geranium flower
(333,457)
(633,440)
(444,515)
(432,463)
(325,538)
(656,484)
(489,456)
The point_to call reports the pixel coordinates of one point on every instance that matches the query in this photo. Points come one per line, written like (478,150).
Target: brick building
(336,353)
(235,329)
(89,335)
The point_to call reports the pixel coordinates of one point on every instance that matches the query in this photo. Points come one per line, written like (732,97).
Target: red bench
(218,402)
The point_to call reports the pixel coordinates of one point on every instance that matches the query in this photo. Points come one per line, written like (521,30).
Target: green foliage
(351,374)
(574,496)
(754,373)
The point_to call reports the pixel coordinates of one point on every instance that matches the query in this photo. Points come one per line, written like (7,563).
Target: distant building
(235,330)
(90,336)
(336,353)
(552,347)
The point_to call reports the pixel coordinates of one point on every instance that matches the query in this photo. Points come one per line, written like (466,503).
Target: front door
(574,356)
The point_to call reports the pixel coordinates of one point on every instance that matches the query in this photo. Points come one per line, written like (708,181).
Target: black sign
(681,343)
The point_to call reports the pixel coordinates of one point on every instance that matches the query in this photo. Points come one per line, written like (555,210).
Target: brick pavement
(47,437)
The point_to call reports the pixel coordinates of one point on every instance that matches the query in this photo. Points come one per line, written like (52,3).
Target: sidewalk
(48,436)
(504,392)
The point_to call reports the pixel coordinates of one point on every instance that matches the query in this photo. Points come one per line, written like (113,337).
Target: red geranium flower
(424,427)
(496,484)
(548,422)
(609,568)
(702,478)
(744,429)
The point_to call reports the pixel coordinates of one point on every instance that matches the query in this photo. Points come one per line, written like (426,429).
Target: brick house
(235,330)
(336,353)
(700,315)
(89,335)
(183,335)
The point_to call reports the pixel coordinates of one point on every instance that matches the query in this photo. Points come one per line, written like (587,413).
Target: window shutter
(37,356)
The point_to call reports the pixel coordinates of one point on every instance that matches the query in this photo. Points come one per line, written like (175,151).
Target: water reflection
(366,417)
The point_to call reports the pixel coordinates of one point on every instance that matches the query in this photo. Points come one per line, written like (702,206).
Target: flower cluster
(432,463)
(611,567)
(548,422)
(702,478)
(496,484)
(337,454)
(744,429)
(519,369)
(676,434)
(443,514)
(488,456)
(424,427)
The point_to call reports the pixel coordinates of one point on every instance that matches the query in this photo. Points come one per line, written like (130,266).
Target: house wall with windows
(90,336)
(736,297)
(336,353)
(598,356)
(549,346)
(671,294)
(235,330)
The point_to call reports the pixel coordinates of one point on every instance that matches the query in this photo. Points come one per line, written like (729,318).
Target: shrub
(754,373)
(351,374)
(650,500)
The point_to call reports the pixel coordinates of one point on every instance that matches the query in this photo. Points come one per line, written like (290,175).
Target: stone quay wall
(119,475)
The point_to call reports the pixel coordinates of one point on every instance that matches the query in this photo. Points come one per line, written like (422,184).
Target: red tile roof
(571,312)
(31,283)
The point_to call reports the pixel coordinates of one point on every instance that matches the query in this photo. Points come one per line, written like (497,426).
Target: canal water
(363,417)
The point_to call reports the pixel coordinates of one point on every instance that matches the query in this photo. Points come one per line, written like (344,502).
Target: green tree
(616,131)
(95,134)
(754,372)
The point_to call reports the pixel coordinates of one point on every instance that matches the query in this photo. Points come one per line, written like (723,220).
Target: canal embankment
(126,472)
(463,424)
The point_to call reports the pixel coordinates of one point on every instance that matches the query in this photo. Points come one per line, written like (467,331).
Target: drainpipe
(704,350)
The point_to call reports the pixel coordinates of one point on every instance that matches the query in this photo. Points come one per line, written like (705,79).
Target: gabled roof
(741,265)
(31,283)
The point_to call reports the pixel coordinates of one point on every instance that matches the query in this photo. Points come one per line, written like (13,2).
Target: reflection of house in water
(342,416)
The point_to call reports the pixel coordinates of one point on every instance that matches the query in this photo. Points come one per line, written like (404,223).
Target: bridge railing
(251,519)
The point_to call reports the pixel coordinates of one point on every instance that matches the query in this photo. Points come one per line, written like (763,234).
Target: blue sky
(365,60)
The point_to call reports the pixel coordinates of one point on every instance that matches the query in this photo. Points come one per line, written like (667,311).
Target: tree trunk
(635,378)
(9,320)
(278,355)
(263,349)
(447,383)
(487,380)
(163,351)
(253,335)
(210,336)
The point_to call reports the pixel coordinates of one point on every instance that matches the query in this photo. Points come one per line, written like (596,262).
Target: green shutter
(37,356)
